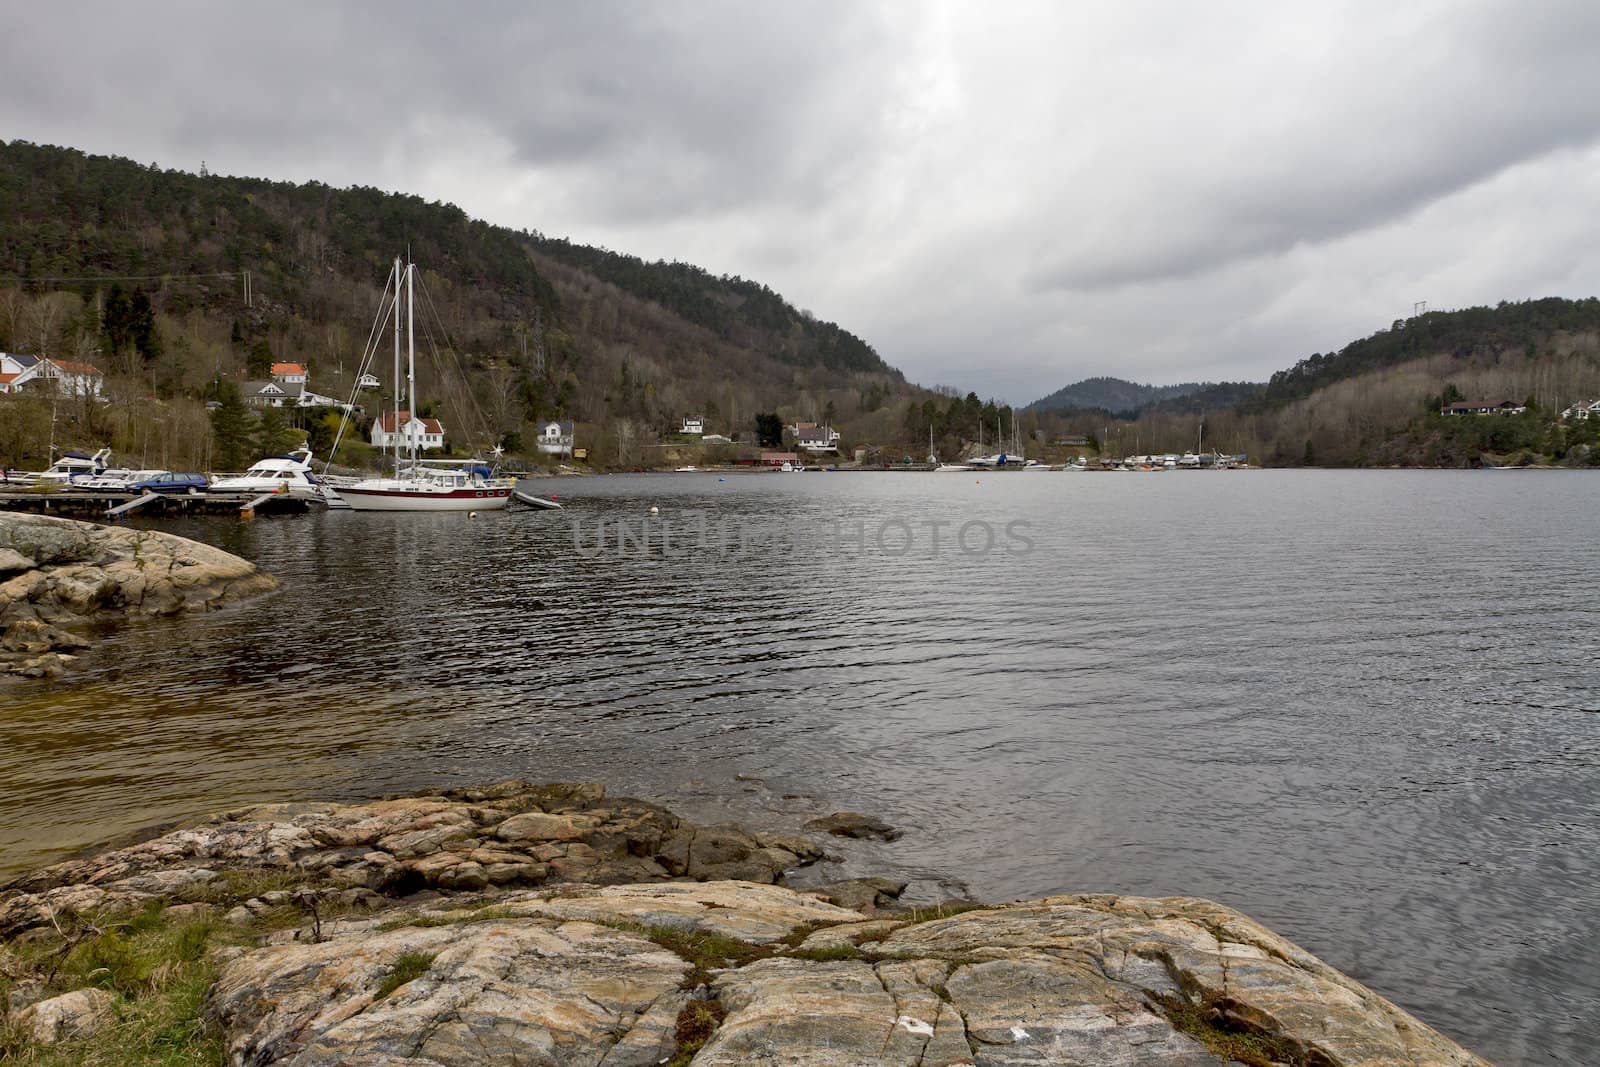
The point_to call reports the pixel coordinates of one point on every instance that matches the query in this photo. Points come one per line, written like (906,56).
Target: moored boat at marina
(431,485)
(290,474)
(65,471)
(418,484)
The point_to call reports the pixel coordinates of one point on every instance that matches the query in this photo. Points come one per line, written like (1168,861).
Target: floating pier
(109,505)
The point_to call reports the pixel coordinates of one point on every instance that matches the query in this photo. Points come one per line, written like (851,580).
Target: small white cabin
(555,438)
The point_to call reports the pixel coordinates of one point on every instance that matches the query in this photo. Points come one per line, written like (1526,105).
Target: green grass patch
(938,911)
(706,952)
(697,1021)
(158,973)
(827,955)
(1207,1023)
(493,913)
(132,955)
(409,967)
(236,887)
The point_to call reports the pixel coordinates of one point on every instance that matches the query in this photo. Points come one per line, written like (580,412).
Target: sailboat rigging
(419,484)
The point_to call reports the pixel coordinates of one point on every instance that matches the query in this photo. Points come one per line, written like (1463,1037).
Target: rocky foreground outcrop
(58,575)
(469,928)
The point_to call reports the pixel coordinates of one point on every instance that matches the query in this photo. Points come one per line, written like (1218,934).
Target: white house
(289,373)
(270,394)
(694,425)
(815,439)
(368,381)
(67,377)
(427,433)
(1583,410)
(555,438)
(16,370)
(308,399)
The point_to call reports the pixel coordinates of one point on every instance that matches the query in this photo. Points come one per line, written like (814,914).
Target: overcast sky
(1003,197)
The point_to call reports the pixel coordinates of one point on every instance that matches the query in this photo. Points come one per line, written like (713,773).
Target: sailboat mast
(411,354)
(396,378)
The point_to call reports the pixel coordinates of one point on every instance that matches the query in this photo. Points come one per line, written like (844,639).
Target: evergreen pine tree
(231,427)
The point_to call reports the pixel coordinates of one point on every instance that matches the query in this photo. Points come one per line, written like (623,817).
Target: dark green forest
(175,282)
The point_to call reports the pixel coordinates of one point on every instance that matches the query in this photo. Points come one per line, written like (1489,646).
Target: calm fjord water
(1362,706)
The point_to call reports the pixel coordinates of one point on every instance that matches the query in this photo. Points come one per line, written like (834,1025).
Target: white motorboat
(69,468)
(289,474)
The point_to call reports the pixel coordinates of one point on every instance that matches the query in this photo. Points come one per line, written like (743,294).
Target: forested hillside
(1111,396)
(540,328)
(1376,401)
(181,285)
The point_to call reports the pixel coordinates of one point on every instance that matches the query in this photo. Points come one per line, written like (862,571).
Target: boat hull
(423,499)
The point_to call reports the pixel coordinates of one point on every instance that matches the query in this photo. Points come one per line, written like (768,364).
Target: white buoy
(472,514)
(654,510)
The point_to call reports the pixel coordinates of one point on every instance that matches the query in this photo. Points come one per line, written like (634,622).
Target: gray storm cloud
(1004,199)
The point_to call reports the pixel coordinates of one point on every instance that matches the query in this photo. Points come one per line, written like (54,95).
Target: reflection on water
(1360,706)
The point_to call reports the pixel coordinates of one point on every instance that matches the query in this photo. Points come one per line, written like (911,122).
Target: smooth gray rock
(76,1014)
(528,992)
(78,572)
(854,824)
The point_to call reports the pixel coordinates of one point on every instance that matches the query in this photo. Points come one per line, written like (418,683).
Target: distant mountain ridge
(1118,396)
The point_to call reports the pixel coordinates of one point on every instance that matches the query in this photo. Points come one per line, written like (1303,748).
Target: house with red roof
(25,373)
(387,431)
(289,373)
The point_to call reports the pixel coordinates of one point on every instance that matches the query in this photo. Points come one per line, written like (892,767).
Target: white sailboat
(417,484)
(1013,458)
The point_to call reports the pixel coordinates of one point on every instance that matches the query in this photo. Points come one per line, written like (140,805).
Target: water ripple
(1360,706)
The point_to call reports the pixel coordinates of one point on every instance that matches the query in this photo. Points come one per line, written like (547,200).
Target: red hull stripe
(411,494)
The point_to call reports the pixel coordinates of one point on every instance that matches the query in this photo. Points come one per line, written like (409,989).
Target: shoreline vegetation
(525,923)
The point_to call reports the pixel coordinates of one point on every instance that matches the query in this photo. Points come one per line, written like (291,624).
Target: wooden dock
(76,504)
